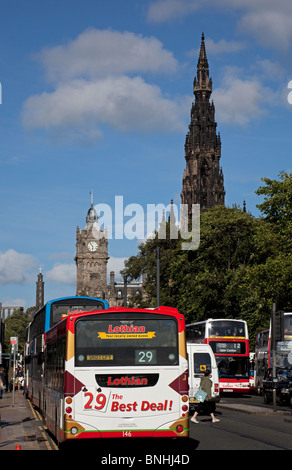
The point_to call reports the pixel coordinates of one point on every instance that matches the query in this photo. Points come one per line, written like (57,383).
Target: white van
(201,358)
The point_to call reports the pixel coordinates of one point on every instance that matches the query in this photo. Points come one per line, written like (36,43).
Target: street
(242,431)
(246,423)
(242,427)
(236,430)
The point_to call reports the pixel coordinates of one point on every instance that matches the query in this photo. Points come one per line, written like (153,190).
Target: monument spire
(202,178)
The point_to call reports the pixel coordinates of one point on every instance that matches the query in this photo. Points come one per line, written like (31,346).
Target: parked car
(281,383)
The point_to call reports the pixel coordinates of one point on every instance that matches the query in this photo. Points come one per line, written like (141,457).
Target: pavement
(21,426)
(255,410)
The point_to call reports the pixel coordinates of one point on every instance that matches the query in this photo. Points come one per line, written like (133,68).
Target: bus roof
(112,310)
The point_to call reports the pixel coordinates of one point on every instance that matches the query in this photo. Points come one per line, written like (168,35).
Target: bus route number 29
(94,402)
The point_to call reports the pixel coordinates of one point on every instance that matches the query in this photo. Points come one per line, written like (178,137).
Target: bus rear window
(61,309)
(134,342)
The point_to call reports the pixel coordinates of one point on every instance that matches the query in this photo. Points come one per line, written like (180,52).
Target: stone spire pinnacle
(202,80)
(91,217)
(203,178)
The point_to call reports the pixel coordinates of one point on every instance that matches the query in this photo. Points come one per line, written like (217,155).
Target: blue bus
(54,310)
(44,319)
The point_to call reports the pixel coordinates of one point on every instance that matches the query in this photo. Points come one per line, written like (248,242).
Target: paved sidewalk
(20,425)
(252,409)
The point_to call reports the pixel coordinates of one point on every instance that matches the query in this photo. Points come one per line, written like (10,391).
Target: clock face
(92,246)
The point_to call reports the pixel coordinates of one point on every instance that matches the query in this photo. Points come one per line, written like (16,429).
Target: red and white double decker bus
(230,343)
(117,373)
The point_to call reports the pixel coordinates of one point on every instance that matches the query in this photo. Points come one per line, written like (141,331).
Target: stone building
(91,262)
(91,258)
(40,291)
(203,178)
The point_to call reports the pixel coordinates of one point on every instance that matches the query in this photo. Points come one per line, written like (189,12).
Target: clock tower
(91,257)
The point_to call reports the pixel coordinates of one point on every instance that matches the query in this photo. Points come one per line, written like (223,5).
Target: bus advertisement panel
(117,373)
(229,341)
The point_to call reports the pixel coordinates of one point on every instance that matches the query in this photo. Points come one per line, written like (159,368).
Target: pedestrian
(209,403)
(20,378)
(2,381)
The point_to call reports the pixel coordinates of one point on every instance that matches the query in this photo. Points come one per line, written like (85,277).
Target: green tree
(145,262)
(277,205)
(227,247)
(16,325)
(242,265)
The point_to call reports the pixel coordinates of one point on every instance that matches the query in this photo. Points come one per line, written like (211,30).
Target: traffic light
(279,325)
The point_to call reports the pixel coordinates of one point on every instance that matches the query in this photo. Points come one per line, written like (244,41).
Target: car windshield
(284,374)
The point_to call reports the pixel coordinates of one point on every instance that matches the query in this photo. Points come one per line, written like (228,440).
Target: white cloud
(15,267)
(65,273)
(267,20)
(99,53)
(241,101)
(220,47)
(223,46)
(95,85)
(271,26)
(124,103)
(116,265)
(269,70)
(9,301)
(62,273)
(164,10)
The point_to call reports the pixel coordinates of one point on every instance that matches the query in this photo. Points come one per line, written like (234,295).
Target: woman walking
(209,404)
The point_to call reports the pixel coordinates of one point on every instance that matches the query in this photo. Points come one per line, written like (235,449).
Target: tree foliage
(16,325)
(277,205)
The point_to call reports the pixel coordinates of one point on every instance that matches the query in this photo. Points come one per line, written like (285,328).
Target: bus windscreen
(134,342)
(60,310)
(227,329)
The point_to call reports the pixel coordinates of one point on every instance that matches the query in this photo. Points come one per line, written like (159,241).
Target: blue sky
(97,96)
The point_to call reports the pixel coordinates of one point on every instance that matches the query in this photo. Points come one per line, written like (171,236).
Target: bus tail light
(179,428)
(216,388)
(68,409)
(185,406)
